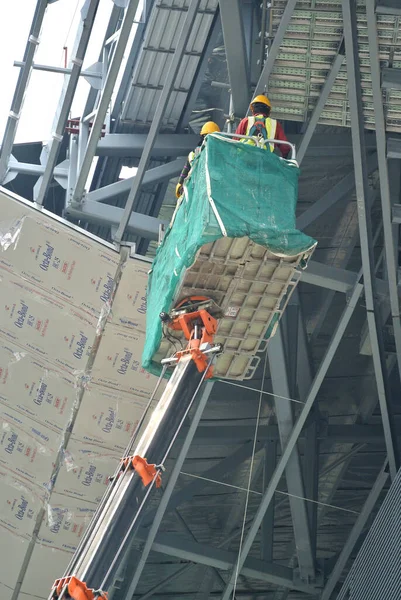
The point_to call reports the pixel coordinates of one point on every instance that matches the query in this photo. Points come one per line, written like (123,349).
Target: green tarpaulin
(234,190)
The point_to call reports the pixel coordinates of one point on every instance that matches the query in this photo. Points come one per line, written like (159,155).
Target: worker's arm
(184,173)
(280,135)
(242,127)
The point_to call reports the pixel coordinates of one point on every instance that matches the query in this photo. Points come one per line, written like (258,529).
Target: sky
(59,30)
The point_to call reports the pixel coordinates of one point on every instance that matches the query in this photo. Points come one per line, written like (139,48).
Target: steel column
(278,473)
(158,116)
(72,169)
(105,97)
(161,509)
(88,15)
(391,257)
(20,88)
(236,54)
(355,533)
(365,229)
(295,484)
(268,521)
(311,477)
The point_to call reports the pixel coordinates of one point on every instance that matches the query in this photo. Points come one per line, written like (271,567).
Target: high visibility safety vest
(270,124)
(193,154)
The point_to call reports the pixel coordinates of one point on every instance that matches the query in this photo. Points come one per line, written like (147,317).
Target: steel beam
(279,471)
(59,70)
(227,538)
(394,147)
(337,193)
(396,214)
(332,278)
(105,97)
(35,170)
(152,176)
(158,116)
(295,484)
(390,78)
(20,89)
(391,245)
(200,75)
(222,468)
(173,545)
(263,82)
(388,7)
(88,15)
(110,216)
(133,144)
(320,104)
(365,229)
(180,144)
(355,533)
(236,54)
(136,571)
(229,433)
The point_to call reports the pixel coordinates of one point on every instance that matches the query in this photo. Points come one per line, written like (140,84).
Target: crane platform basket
(232,239)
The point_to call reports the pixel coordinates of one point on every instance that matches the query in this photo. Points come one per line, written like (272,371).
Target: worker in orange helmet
(260,124)
(209,127)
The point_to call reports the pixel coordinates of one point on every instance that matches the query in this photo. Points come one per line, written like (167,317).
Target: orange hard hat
(210,127)
(262,99)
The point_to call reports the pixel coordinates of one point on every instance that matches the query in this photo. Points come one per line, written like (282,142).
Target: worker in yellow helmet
(209,127)
(260,124)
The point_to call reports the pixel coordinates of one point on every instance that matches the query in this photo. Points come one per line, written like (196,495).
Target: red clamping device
(76,590)
(189,323)
(145,471)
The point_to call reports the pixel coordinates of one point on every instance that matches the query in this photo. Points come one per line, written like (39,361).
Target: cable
(69,29)
(247,387)
(249,478)
(242,489)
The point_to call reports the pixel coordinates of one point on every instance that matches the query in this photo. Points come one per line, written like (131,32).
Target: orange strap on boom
(77,590)
(186,323)
(145,471)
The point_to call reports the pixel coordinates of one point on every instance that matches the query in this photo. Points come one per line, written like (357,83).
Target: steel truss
(292,374)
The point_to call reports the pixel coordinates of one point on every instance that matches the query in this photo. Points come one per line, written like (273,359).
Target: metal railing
(259,142)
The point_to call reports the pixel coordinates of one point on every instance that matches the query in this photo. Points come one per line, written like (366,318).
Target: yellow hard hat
(210,127)
(262,99)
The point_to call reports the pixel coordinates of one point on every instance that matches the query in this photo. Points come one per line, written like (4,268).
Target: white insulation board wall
(72,323)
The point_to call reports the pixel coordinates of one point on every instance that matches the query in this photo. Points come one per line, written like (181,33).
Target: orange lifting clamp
(186,323)
(76,590)
(145,471)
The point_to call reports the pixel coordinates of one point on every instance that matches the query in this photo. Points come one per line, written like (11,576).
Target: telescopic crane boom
(94,565)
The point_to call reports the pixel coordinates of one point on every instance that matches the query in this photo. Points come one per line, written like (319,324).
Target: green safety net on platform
(234,190)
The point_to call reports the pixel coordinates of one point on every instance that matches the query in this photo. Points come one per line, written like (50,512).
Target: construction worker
(209,127)
(262,125)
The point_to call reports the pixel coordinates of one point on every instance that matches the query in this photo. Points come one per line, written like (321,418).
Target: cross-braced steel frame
(288,352)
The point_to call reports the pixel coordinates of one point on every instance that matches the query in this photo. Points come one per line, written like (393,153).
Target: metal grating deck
(166,22)
(309,48)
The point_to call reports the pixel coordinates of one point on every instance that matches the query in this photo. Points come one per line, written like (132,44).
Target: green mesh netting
(234,187)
